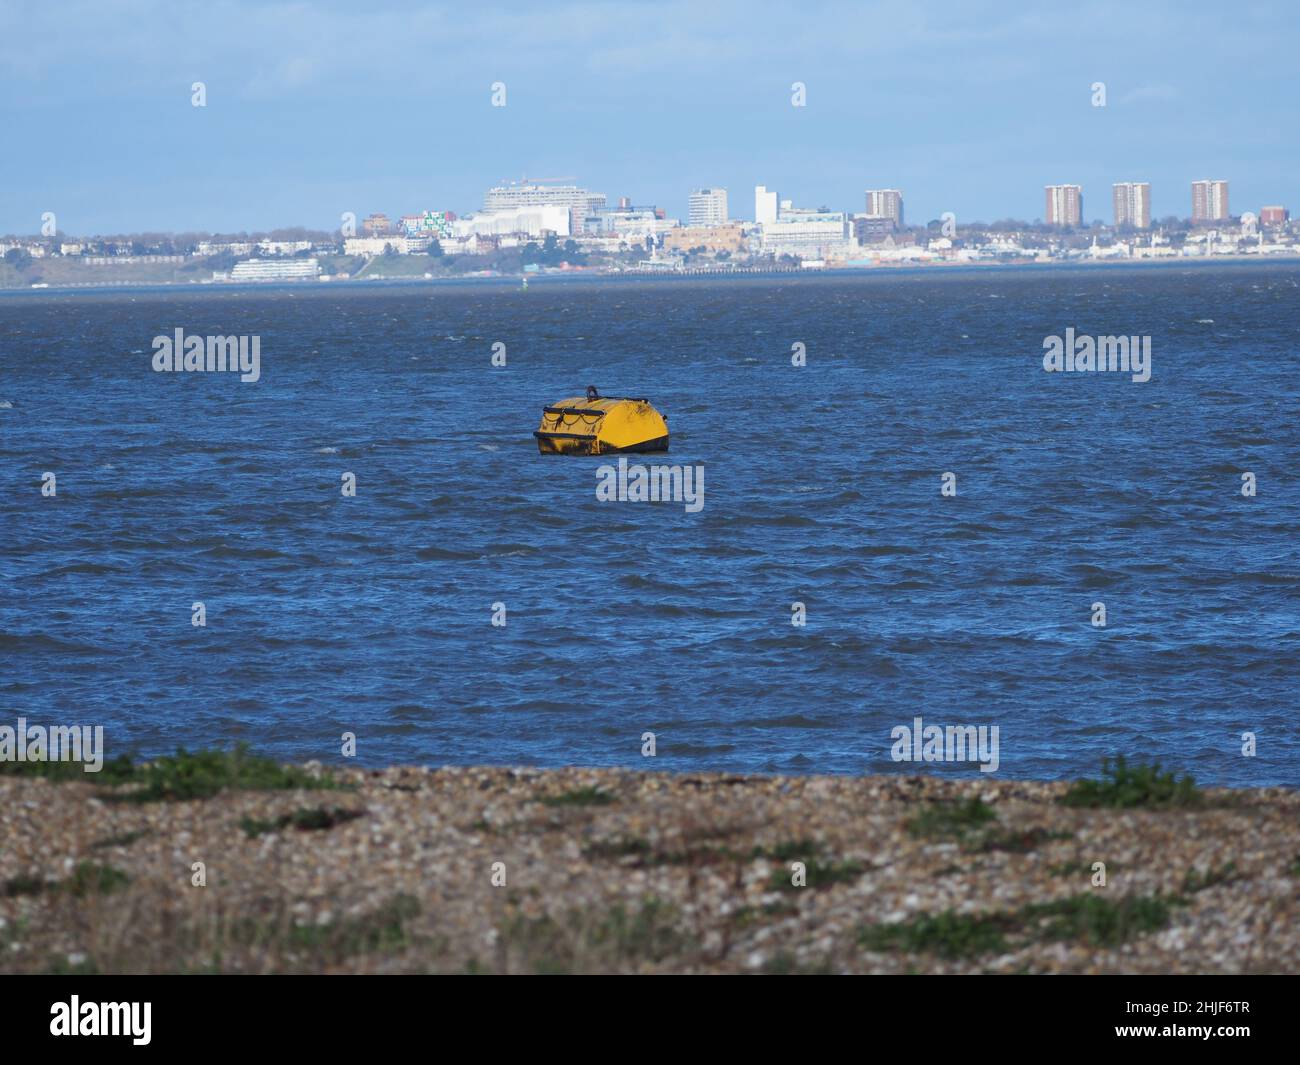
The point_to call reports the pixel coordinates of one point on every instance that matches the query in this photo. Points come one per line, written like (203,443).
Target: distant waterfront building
(429,223)
(1209,201)
(283,247)
(375,245)
(282,270)
(111,260)
(1064,205)
(207,247)
(632,224)
(765,205)
(376,224)
(708,207)
(506,197)
(885,203)
(1132,201)
(580,203)
(1272,216)
(868,229)
(807,234)
(728,237)
(533,221)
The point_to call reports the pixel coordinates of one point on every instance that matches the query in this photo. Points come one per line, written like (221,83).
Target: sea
(904,516)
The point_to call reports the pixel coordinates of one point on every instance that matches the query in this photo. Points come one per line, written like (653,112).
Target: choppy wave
(475,603)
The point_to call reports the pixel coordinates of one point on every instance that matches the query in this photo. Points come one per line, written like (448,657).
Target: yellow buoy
(597,425)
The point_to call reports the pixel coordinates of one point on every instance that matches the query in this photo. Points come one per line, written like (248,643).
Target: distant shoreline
(515,281)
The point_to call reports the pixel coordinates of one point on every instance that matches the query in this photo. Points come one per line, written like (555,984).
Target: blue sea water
(372,614)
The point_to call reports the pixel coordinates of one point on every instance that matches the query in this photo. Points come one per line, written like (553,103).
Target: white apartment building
(766,205)
(708,207)
(632,224)
(208,247)
(283,247)
(511,197)
(808,235)
(374,245)
(532,220)
(264,270)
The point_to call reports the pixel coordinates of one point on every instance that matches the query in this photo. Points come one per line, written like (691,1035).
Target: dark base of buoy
(658,444)
(578,444)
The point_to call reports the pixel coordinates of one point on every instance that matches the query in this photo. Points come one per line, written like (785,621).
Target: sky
(317,107)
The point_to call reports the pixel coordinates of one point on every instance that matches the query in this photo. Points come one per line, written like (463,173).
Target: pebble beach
(498,870)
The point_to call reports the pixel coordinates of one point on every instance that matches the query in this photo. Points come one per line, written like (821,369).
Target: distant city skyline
(534,206)
(315,110)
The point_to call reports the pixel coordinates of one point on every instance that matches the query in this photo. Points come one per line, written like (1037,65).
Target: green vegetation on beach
(184,775)
(1090,919)
(1128,787)
(88,878)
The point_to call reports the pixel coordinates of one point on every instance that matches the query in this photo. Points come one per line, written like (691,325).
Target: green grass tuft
(579,797)
(650,932)
(312,819)
(1090,919)
(590,942)
(1098,921)
(114,771)
(184,775)
(820,874)
(1195,881)
(124,839)
(744,916)
(948,935)
(18,886)
(206,773)
(623,847)
(784,963)
(383,931)
(88,878)
(790,851)
(1015,841)
(1077,868)
(1142,786)
(951,819)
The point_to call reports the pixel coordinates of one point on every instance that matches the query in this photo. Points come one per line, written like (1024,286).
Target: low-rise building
(872,229)
(712,238)
(807,234)
(533,220)
(375,245)
(213,247)
(437,223)
(633,224)
(283,247)
(275,270)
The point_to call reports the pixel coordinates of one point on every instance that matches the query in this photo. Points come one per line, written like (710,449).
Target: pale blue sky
(316,108)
